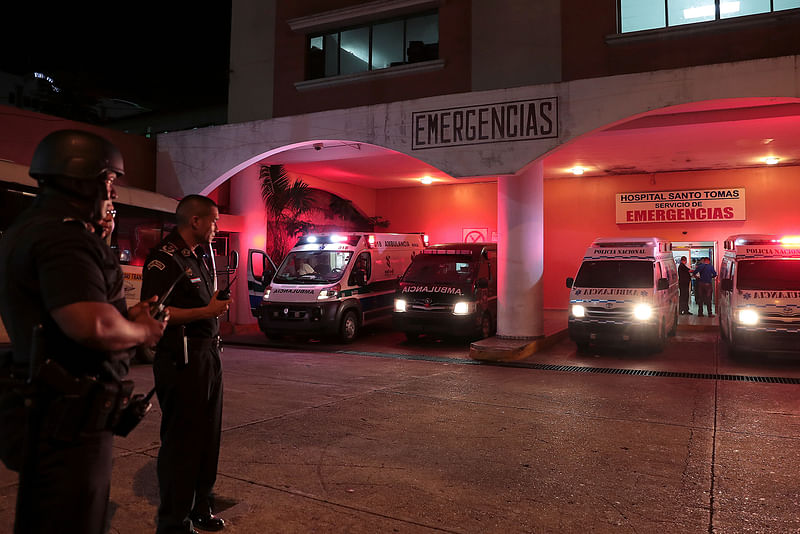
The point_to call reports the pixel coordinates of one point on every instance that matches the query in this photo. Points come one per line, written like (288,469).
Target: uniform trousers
(64,486)
(683,306)
(190,396)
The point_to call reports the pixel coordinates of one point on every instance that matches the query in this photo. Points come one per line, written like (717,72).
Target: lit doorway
(695,251)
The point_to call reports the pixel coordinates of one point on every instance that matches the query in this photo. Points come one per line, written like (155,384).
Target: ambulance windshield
(612,274)
(769,274)
(313,266)
(440,269)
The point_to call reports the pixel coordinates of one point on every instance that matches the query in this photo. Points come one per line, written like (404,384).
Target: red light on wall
(259,241)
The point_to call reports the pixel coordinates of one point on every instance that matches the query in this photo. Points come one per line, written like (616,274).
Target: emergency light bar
(756,239)
(450,251)
(324,239)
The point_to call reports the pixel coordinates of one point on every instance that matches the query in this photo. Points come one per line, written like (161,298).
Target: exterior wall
(441,211)
(21,131)
(200,160)
(591,47)
(454,48)
(576,210)
(515,43)
(252,68)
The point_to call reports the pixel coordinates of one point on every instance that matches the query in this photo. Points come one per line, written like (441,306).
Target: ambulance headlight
(642,312)
(400,305)
(578,310)
(267,291)
(329,293)
(748,316)
(463,307)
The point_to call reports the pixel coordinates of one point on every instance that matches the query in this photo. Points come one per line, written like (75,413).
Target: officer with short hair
(56,272)
(187,369)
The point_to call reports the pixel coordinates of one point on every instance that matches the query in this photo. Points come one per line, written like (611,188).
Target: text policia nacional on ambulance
(726,204)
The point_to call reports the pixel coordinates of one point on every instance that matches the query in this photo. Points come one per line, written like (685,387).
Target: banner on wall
(697,205)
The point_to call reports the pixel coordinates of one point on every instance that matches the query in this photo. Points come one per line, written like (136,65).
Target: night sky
(158,55)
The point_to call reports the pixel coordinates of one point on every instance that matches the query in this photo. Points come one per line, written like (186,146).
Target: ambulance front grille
(429,305)
(599,312)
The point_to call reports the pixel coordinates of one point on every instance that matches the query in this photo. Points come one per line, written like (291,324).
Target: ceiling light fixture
(427,180)
(577,171)
(771,160)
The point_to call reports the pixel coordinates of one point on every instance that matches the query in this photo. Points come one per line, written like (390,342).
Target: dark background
(166,56)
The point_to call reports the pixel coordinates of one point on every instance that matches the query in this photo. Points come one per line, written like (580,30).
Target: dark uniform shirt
(684,274)
(171,259)
(49,259)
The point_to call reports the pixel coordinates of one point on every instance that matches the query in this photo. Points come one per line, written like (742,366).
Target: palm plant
(286,201)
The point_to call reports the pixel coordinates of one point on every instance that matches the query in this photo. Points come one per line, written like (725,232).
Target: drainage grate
(582,369)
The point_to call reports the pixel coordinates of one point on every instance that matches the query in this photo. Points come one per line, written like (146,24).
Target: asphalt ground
(324,438)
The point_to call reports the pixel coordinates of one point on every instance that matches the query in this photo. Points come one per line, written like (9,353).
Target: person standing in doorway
(705,286)
(684,284)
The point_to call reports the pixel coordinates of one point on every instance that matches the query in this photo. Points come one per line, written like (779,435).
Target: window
(638,15)
(374,46)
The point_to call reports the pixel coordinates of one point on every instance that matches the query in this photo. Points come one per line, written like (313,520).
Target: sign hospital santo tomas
(700,205)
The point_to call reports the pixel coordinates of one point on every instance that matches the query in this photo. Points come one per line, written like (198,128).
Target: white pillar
(520,250)
(246,201)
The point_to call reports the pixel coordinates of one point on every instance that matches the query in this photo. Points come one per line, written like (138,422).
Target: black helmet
(75,155)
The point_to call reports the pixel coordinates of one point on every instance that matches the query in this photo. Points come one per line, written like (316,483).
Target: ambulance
(626,291)
(759,298)
(331,284)
(449,289)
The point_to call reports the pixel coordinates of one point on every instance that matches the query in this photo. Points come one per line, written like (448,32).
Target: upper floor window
(636,15)
(374,46)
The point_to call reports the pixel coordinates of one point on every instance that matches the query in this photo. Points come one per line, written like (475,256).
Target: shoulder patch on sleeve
(155,264)
(168,248)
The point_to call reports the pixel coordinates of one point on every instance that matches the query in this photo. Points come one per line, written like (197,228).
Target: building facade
(503,105)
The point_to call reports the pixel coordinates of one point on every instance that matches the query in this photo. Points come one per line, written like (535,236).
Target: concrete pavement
(345,442)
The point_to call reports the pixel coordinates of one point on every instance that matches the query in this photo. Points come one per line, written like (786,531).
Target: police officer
(187,368)
(55,271)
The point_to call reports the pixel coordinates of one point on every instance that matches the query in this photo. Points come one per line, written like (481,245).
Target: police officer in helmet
(55,271)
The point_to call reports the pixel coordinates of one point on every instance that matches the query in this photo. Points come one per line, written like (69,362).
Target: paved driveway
(609,441)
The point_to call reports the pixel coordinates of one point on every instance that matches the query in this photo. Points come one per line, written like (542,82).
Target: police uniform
(188,378)
(49,259)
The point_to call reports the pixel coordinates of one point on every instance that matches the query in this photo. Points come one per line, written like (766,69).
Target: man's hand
(154,328)
(218,307)
(145,306)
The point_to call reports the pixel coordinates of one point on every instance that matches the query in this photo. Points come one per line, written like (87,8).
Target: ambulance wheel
(661,338)
(486,326)
(674,329)
(348,330)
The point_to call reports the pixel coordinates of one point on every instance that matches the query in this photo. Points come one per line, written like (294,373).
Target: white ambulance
(332,284)
(759,299)
(626,290)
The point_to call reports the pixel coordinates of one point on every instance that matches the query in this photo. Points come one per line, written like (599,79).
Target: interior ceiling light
(577,171)
(427,180)
(772,160)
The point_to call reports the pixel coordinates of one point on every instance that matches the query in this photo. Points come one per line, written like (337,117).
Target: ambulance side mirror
(726,284)
(662,284)
(233,260)
(570,282)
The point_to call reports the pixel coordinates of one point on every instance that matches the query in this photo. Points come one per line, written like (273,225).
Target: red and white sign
(697,205)
(474,235)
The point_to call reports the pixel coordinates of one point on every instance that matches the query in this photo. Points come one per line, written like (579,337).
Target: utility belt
(181,348)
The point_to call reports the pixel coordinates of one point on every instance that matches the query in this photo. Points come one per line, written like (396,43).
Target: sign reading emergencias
(698,205)
(524,120)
